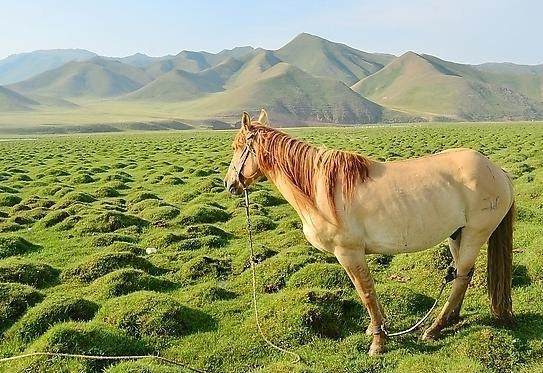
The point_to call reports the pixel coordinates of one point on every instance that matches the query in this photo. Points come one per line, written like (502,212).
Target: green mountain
(195,62)
(309,80)
(320,57)
(95,78)
(180,85)
(426,85)
(254,68)
(19,67)
(13,101)
(292,95)
(524,79)
(139,60)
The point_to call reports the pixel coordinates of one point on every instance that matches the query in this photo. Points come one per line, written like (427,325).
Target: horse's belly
(410,226)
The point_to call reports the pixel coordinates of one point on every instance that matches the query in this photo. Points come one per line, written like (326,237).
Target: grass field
(128,244)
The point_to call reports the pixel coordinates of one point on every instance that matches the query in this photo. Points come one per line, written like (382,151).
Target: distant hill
(13,101)
(291,94)
(95,78)
(195,61)
(429,86)
(309,80)
(19,67)
(323,58)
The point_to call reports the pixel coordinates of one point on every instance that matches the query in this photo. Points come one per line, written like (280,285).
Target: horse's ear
(263,118)
(245,120)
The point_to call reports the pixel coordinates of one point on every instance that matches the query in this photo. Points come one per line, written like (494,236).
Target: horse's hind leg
(470,244)
(454,246)
(355,265)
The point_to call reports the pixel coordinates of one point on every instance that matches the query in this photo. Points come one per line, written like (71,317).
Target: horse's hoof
(376,349)
(431,335)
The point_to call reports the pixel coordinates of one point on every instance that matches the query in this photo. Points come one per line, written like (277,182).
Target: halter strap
(244,155)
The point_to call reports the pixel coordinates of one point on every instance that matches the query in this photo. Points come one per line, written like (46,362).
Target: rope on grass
(100,357)
(253,272)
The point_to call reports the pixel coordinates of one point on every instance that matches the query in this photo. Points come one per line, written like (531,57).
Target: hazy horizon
(462,31)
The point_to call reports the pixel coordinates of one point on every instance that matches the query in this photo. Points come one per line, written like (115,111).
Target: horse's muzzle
(234,187)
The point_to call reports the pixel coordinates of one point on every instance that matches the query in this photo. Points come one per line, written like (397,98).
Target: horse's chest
(322,237)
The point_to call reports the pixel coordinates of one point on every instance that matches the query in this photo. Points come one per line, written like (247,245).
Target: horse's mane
(303,165)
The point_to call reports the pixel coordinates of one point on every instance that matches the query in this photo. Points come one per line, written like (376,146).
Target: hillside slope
(13,101)
(97,78)
(324,58)
(427,85)
(19,67)
(291,94)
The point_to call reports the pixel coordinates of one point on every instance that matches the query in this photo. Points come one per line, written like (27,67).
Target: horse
(352,206)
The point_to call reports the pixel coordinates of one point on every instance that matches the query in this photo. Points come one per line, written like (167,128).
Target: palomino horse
(352,206)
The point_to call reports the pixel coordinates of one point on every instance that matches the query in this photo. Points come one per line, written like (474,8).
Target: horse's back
(413,204)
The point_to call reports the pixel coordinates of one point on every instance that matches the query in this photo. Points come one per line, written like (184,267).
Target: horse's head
(244,170)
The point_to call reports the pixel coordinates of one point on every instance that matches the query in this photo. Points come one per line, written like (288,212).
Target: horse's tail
(500,262)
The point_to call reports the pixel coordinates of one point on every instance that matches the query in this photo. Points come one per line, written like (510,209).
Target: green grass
(147,254)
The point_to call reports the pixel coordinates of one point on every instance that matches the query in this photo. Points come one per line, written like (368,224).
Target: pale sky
(470,31)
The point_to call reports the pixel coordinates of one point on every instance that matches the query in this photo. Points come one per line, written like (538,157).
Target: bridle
(248,150)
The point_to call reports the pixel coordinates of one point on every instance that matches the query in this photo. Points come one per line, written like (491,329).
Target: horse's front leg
(355,265)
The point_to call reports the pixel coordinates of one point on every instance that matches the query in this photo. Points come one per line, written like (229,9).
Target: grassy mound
(27,272)
(202,230)
(100,264)
(207,293)
(14,245)
(109,221)
(107,239)
(320,275)
(106,191)
(54,218)
(301,315)
(265,198)
(128,280)
(403,306)
(496,350)
(82,178)
(147,313)
(15,299)
(80,338)
(172,180)
(204,213)
(142,196)
(205,266)
(9,200)
(160,213)
(54,309)
(74,197)
(142,366)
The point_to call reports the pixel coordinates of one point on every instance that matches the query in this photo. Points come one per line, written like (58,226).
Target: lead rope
(253,271)
(100,357)
(451,275)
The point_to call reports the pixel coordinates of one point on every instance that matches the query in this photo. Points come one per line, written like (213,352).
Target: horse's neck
(290,192)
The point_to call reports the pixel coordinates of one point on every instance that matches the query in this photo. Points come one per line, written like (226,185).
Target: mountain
(95,78)
(524,79)
(181,85)
(307,81)
(139,60)
(13,101)
(291,94)
(426,85)
(19,67)
(323,58)
(254,67)
(195,62)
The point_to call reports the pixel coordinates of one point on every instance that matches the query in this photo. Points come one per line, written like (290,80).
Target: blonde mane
(303,165)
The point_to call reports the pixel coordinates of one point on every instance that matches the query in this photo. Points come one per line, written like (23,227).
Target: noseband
(244,155)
